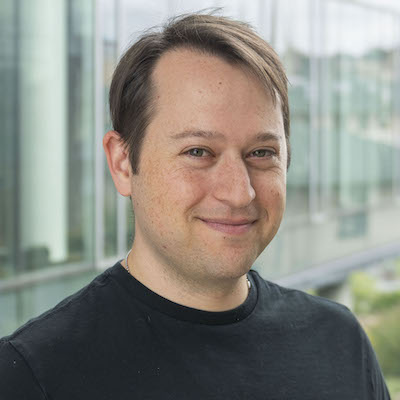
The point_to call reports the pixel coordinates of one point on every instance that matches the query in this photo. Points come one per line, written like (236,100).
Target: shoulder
(63,324)
(54,344)
(61,314)
(296,301)
(330,327)
(300,311)
(17,380)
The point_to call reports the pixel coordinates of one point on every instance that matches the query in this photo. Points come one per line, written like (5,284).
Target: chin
(232,267)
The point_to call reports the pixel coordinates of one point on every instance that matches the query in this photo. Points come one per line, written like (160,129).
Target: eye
(262,153)
(197,152)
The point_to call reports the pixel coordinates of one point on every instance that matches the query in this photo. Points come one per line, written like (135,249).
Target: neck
(211,295)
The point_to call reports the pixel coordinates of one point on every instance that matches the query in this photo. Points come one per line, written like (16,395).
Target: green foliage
(363,288)
(397,267)
(383,331)
(367,297)
(393,384)
(312,291)
(379,313)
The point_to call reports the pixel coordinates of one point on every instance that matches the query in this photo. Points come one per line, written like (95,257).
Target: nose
(232,184)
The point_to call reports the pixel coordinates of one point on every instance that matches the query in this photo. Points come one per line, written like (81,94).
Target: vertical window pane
(359,92)
(293,45)
(8,137)
(80,130)
(109,46)
(46,179)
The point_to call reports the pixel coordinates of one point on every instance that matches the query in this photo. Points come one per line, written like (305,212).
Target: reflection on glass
(8,139)
(291,41)
(358,94)
(109,46)
(343,65)
(46,67)
(80,131)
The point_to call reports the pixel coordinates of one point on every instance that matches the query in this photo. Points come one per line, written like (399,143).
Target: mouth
(229,226)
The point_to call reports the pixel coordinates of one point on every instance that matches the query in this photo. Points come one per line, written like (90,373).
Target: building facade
(61,219)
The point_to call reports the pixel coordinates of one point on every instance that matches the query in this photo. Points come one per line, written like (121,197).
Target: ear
(118,162)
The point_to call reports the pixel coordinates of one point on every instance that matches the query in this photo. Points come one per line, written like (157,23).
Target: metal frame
(335,271)
(396,130)
(99,127)
(17,257)
(316,273)
(121,201)
(324,175)
(44,275)
(314,144)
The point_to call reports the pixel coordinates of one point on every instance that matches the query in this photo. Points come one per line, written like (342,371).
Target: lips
(230,226)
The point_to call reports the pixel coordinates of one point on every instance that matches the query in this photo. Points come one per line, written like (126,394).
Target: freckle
(219,83)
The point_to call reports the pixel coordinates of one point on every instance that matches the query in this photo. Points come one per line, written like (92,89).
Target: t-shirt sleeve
(379,388)
(16,378)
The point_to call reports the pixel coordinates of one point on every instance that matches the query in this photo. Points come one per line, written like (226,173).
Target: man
(201,144)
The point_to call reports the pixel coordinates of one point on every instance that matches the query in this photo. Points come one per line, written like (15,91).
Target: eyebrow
(198,133)
(259,137)
(268,136)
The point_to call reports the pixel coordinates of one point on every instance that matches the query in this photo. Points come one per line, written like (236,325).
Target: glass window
(9,138)
(292,43)
(358,98)
(46,178)
(109,44)
(343,64)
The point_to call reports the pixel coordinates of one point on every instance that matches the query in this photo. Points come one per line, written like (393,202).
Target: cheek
(148,188)
(170,192)
(272,194)
(186,187)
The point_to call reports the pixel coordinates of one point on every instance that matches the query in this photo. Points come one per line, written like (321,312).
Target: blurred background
(62,221)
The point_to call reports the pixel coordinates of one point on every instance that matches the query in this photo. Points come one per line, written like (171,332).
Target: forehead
(194,90)
(195,69)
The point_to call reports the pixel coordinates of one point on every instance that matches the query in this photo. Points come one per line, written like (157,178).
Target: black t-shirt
(116,339)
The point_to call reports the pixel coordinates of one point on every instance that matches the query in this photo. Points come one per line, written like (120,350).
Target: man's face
(210,191)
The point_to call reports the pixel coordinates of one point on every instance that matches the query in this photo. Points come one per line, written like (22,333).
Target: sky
(391,4)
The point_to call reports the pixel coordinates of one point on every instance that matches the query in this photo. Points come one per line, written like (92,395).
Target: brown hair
(131,100)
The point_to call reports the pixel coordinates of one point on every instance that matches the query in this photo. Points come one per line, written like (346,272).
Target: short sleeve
(16,378)
(379,388)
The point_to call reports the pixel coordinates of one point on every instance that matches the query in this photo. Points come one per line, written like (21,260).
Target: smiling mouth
(229,227)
